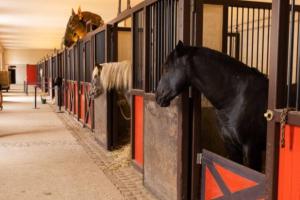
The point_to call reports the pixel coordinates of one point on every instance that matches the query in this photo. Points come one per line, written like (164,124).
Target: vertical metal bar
(252,45)
(242,41)
(237,32)
(231,21)
(119,8)
(291,47)
(247,52)
(263,42)
(257,48)
(268,40)
(298,68)
(277,82)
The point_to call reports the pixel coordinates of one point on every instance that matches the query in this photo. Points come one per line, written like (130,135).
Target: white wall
(20,74)
(20,58)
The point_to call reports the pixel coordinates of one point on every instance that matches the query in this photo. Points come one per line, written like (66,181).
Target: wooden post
(183,137)
(119,9)
(277,82)
(128,4)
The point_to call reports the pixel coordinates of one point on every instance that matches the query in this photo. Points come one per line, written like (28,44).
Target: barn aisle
(40,158)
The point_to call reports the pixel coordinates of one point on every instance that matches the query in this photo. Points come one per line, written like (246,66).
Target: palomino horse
(238,93)
(114,75)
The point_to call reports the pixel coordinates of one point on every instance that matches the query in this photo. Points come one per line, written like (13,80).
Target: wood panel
(161,148)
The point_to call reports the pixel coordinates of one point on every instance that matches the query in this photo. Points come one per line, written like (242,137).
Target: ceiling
(40,24)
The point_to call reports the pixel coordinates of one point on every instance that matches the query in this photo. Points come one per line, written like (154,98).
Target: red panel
(90,113)
(289,165)
(233,181)
(31,74)
(76,98)
(212,190)
(82,103)
(138,129)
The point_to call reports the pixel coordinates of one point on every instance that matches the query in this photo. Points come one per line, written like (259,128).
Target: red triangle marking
(234,181)
(212,189)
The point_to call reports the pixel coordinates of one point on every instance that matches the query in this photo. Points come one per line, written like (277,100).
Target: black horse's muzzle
(162,100)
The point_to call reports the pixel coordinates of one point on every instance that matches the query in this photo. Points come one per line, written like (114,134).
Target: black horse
(238,93)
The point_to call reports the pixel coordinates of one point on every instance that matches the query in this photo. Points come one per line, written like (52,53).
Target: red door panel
(138,129)
(82,103)
(289,165)
(31,74)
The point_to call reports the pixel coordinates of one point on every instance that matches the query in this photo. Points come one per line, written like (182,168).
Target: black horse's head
(175,77)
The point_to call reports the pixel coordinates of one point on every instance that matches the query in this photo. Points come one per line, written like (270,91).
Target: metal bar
(247,52)
(263,41)
(298,69)
(291,56)
(252,45)
(224,31)
(277,82)
(237,32)
(268,40)
(231,21)
(258,25)
(242,41)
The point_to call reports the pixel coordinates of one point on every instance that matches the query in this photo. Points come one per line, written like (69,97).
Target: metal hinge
(199,159)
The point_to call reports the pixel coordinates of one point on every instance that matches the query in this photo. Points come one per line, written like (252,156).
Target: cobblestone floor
(115,165)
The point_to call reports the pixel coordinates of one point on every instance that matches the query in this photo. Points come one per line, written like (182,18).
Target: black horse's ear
(179,45)
(179,48)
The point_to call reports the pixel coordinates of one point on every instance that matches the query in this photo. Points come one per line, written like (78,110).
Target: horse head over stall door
(229,86)
(115,76)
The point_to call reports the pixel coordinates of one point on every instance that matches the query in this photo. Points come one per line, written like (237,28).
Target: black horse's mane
(229,63)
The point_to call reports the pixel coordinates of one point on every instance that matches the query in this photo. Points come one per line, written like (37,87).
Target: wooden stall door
(138,130)
(289,165)
(31,74)
(224,179)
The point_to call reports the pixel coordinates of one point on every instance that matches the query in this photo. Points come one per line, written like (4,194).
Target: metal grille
(248,35)
(138,56)
(100,47)
(81,65)
(88,67)
(163,38)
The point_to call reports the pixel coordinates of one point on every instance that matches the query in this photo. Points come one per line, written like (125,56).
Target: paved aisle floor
(40,159)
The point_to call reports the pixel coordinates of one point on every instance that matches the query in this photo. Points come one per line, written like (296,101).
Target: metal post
(35,92)
(128,4)
(119,9)
(277,82)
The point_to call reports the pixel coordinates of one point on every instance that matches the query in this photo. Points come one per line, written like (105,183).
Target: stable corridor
(41,159)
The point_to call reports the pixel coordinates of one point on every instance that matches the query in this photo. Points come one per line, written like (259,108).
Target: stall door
(289,165)
(31,74)
(224,179)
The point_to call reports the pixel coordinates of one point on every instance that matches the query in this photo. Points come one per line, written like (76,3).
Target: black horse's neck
(219,77)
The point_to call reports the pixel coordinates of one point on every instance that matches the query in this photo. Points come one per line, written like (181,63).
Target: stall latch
(269,115)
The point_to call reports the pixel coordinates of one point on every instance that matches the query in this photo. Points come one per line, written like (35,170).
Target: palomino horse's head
(175,77)
(76,28)
(97,88)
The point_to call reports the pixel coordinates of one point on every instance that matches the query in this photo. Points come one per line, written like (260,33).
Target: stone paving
(48,155)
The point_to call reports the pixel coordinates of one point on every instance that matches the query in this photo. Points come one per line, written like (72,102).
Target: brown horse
(76,27)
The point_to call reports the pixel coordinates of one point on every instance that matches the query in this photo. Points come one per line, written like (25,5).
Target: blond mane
(116,75)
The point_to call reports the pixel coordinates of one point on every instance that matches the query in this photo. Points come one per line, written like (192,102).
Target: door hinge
(199,159)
